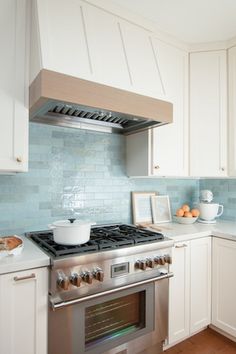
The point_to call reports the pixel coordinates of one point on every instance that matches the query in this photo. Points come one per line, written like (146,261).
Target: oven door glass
(114,318)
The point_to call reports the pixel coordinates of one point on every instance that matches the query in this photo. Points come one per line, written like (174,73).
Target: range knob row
(76,279)
(150,262)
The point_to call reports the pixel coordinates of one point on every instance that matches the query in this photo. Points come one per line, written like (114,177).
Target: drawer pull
(181,246)
(31,276)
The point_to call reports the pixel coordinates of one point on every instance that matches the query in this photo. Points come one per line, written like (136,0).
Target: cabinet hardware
(31,276)
(222,169)
(19,159)
(181,246)
(156,167)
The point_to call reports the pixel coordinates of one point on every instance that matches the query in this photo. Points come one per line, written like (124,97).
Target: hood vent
(59,99)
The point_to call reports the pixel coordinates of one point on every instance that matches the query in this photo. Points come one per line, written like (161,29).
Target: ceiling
(192,21)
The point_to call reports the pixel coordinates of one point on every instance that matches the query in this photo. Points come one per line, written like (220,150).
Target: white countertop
(30,257)
(33,257)
(182,232)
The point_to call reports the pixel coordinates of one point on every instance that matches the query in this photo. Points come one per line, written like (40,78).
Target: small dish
(185,220)
(15,251)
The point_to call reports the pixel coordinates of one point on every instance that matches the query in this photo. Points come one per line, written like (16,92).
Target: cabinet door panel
(200,284)
(179,293)
(23,308)
(14,114)
(232,110)
(142,62)
(208,114)
(108,62)
(224,286)
(170,150)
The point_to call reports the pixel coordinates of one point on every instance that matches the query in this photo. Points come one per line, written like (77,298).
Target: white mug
(210,211)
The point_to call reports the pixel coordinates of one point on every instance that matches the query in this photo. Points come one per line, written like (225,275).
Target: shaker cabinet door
(23,309)
(170,142)
(224,285)
(179,293)
(208,114)
(14,112)
(232,110)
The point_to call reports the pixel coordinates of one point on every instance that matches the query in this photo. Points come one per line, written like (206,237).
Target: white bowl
(185,220)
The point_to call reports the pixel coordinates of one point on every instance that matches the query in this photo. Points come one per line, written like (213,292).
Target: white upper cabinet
(208,114)
(170,149)
(141,59)
(232,110)
(13,97)
(164,151)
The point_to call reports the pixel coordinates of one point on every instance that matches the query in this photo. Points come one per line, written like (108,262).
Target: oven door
(109,321)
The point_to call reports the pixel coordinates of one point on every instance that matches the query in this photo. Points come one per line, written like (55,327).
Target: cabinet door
(142,61)
(224,285)
(179,293)
(23,309)
(200,284)
(14,114)
(208,114)
(170,142)
(105,46)
(232,110)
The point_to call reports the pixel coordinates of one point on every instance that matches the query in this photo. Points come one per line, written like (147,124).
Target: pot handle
(72,220)
(221,208)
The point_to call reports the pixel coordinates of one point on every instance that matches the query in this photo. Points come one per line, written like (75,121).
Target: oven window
(115,318)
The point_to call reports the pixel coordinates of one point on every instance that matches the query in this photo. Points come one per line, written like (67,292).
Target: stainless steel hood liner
(59,99)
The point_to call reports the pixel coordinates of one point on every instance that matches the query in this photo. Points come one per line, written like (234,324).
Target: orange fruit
(188,214)
(185,207)
(195,212)
(179,212)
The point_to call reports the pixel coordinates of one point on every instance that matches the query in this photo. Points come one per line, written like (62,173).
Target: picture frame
(142,207)
(161,212)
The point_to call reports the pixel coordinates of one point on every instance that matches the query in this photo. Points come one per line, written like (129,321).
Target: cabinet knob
(19,159)
(156,167)
(222,169)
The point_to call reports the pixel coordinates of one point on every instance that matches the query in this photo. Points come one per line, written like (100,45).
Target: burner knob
(98,274)
(75,279)
(63,282)
(88,277)
(160,260)
(150,262)
(141,264)
(168,259)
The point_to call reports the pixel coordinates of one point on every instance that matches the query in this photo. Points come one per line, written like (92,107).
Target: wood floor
(206,342)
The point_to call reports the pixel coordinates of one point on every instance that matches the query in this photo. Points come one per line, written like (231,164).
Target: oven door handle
(57,304)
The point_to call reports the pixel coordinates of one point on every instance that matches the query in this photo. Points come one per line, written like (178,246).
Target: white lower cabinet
(190,289)
(224,285)
(23,312)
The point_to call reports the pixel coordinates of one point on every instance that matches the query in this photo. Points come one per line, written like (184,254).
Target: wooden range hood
(60,99)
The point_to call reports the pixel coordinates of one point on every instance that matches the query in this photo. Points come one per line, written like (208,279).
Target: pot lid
(71,223)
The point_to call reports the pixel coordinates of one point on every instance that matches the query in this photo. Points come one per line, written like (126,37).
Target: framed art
(141,206)
(161,209)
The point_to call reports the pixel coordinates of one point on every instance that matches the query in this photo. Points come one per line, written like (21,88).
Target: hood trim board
(99,105)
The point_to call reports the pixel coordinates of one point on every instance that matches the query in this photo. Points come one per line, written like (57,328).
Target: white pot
(71,232)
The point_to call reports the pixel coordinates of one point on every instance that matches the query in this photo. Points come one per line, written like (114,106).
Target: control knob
(168,258)
(63,281)
(160,260)
(141,264)
(75,279)
(98,274)
(150,262)
(87,277)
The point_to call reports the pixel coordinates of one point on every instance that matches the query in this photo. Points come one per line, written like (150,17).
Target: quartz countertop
(182,232)
(30,257)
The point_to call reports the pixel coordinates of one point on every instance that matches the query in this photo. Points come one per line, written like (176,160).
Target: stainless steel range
(109,295)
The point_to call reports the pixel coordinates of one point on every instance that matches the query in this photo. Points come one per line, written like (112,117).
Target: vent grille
(108,117)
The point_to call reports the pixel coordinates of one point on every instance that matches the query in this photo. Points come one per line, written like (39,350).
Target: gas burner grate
(101,238)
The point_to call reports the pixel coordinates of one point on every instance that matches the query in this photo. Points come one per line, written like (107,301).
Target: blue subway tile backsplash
(81,172)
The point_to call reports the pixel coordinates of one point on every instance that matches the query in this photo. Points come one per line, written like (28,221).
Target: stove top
(102,238)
